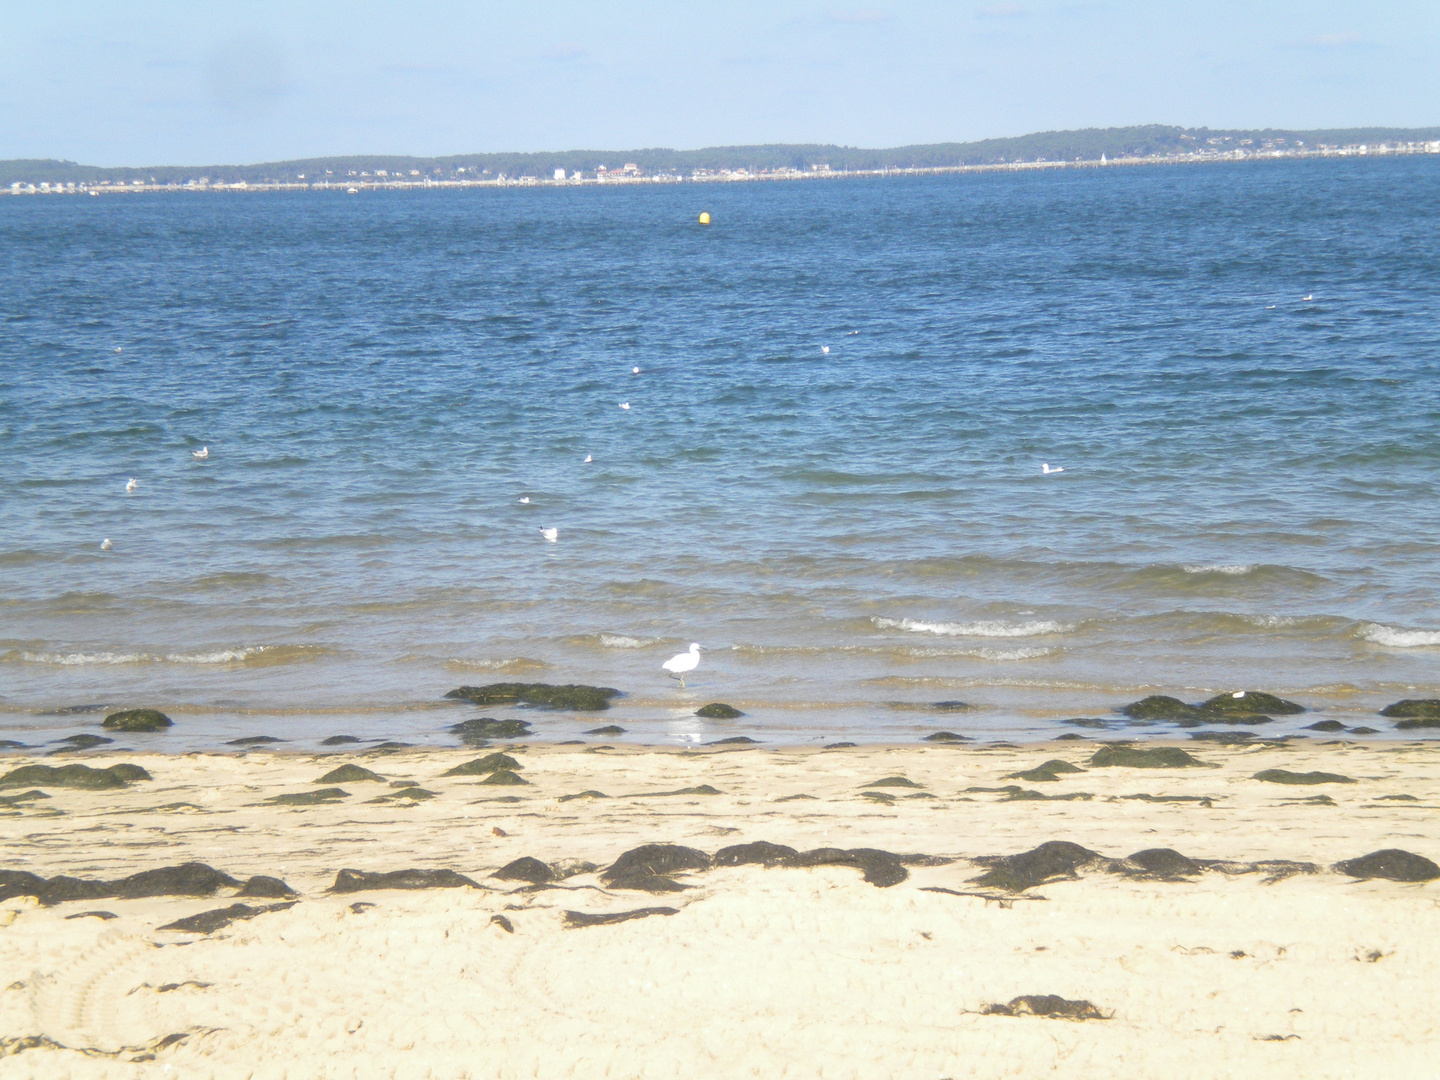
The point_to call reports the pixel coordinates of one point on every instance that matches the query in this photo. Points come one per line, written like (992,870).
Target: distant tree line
(1154,140)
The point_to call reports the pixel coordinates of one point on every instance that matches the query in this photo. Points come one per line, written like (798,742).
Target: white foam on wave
(625,641)
(252,653)
(984,628)
(1396,638)
(1234,570)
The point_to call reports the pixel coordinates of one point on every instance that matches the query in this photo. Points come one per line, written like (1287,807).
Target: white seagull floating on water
(625,404)
(105,544)
(634,371)
(131,485)
(680,663)
(1046,468)
(553,535)
(525,499)
(825,349)
(201,454)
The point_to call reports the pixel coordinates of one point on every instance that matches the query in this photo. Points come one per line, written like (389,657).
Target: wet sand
(1249,956)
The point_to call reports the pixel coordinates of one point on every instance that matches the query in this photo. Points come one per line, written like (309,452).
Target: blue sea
(830,473)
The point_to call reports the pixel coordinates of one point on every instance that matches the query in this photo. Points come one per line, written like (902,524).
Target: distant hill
(1149,141)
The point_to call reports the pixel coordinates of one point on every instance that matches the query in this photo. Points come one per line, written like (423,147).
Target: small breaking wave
(1234,570)
(983,628)
(514,665)
(1395,638)
(248,656)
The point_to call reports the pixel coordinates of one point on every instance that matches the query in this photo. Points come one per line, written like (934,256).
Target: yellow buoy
(705,217)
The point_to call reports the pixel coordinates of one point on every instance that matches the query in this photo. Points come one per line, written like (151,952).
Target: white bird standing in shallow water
(131,485)
(680,663)
(553,535)
(201,454)
(1046,468)
(105,544)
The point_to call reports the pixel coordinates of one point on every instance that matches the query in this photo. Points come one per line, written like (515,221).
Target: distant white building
(559,174)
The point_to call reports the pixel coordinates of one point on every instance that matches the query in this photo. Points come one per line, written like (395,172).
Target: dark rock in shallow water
(1363,731)
(1414,708)
(880,868)
(348,774)
(1049,1005)
(85,742)
(73,776)
(718,710)
(1136,757)
(950,706)
(261,885)
(1068,736)
(207,922)
(259,740)
(1284,776)
(1418,722)
(1224,738)
(760,851)
(647,868)
(389,747)
(574,919)
(11,744)
(1392,864)
(572,696)
(1165,863)
(137,720)
(1325,725)
(188,879)
(947,736)
(504,777)
(608,729)
(734,740)
(1161,707)
(838,746)
(526,869)
(1087,722)
(488,764)
(1249,703)
(309,798)
(1051,861)
(479,731)
(347,881)
(339,740)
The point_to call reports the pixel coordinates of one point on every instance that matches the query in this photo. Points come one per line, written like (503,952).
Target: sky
(151,82)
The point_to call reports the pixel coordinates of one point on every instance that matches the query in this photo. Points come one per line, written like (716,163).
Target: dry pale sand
(781,972)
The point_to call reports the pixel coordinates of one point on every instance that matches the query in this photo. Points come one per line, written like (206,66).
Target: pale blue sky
(160,81)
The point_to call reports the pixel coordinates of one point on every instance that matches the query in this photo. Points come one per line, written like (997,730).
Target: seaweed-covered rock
(880,868)
(607,729)
(504,777)
(718,710)
(348,774)
(73,776)
(1249,703)
(137,720)
(526,869)
(1224,738)
(1164,863)
(309,798)
(188,879)
(13,801)
(950,706)
(1049,1005)
(1413,709)
(85,741)
(1051,861)
(648,867)
(1393,864)
(574,919)
(583,795)
(1285,776)
(1046,771)
(1363,731)
(256,740)
(207,922)
(347,881)
(1138,757)
(571,696)
(480,730)
(339,740)
(1161,707)
(947,737)
(265,886)
(1325,725)
(893,781)
(758,851)
(488,764)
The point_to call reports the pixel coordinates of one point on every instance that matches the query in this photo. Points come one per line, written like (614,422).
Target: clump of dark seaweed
(1051,861)
(1047,771)
(880,868)
(1137,757)
(137,720)
(309,798)
(947,737)
(1393,864)
(734,740)
(339,740)
(74,776)
(1284,776)
(574,919)
(648,868)
(1049,1005)
(893,781)
(573,696)
(1164,863)
(266,886)
(207,922)
(528,869)
(1413,709)
(187,879)
(85,741)
(504,777)
(1224,738)
(347,881)
(607,729)
(758,851)
(481,730)
(255,740)
(348,774)
(718,710)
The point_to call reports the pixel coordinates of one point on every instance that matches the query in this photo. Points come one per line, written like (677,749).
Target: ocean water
(1237,366)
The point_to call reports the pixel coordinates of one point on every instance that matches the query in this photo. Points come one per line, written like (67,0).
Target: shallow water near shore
(1235,365)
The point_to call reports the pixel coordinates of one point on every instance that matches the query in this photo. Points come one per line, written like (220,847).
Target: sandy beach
(1245,954)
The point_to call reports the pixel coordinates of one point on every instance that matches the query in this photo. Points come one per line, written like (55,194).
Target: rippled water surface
(1235,365)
